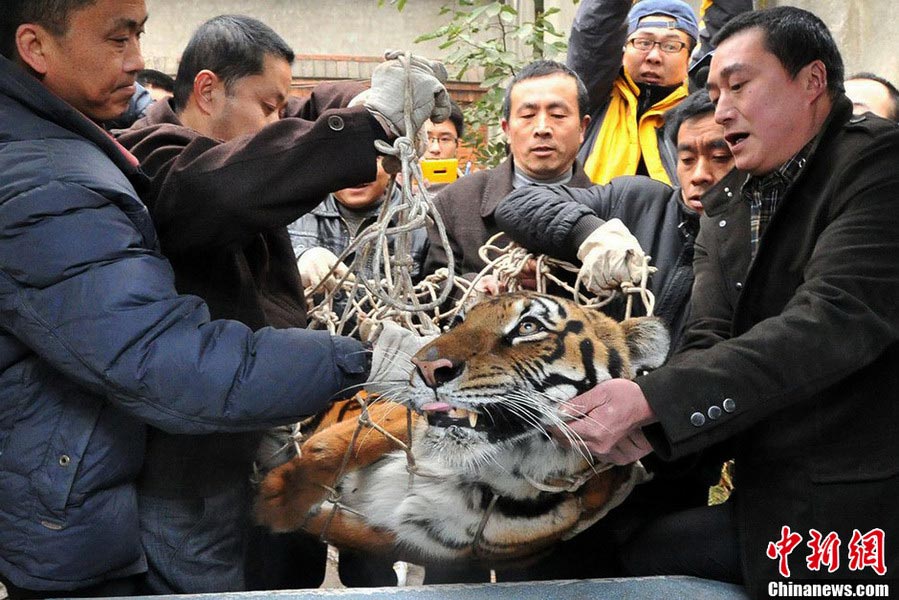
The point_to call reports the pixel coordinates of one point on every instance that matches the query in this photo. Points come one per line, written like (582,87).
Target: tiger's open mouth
(441,414)
(493,421)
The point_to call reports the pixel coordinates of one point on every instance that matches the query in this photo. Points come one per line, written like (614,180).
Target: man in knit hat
(629,95)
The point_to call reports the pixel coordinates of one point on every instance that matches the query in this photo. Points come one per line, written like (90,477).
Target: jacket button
(722,223)
(739,285)
(64,460)
(697,419)
(714,412)
(729,405)
(335,122)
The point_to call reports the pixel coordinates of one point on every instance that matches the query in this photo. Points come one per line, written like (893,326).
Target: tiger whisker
(555,419)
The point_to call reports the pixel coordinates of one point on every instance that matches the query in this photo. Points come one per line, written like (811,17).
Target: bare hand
(608,419)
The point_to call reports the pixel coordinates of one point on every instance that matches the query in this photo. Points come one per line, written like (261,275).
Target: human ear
(204,90)
(584,123)
(815,78)
(32,45)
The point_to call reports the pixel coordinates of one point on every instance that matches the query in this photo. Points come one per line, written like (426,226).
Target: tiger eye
(527,328)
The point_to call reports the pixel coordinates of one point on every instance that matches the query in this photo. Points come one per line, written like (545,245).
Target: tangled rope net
(379,286)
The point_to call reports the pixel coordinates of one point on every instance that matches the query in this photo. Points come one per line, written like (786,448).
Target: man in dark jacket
(663,222)
(95,342)
(792,350)
(544,119)
(321,235)
(227,175)
(657,220)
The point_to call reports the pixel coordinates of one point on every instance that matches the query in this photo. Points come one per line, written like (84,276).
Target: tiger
(489,483)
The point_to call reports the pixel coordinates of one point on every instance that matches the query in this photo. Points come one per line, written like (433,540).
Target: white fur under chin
(447,501)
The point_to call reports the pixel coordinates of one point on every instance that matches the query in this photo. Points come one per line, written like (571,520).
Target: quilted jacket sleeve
(80,288)
(555,220)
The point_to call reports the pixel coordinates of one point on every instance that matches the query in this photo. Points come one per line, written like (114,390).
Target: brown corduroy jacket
(221,209)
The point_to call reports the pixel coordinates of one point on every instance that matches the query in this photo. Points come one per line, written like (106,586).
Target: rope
(379,286)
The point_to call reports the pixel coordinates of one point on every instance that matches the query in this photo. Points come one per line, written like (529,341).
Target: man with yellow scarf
(629,95)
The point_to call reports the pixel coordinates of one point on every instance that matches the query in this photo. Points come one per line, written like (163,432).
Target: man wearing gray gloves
(96,342)
(227,174)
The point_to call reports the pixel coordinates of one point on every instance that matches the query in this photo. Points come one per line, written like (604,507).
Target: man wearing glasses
(444,137)
(442,149)
(629,96)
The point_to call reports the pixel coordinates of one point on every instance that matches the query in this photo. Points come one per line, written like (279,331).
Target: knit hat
(681,12)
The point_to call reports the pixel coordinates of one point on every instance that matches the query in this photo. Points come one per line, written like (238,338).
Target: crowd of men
(154,251)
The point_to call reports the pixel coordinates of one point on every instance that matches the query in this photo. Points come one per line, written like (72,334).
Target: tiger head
(499,375)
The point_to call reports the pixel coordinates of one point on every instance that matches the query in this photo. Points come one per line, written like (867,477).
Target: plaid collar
(781,178)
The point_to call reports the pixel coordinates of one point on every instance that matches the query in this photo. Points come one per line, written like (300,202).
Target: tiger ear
(648,341)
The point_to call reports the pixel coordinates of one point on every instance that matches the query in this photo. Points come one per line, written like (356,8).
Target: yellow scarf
(621,139)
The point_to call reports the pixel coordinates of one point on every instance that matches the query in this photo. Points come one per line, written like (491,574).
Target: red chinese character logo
(867,551)
(781,549)
(825,551)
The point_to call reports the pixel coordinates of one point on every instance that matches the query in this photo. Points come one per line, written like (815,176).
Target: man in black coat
(664,221)
(792,350)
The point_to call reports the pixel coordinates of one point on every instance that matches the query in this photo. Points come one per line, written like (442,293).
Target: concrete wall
(319,27)
(864,29)
(340,28)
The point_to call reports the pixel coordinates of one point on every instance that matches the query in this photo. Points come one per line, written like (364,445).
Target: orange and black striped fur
(493,483)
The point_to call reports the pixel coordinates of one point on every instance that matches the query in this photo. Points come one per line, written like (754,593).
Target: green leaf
(493,9)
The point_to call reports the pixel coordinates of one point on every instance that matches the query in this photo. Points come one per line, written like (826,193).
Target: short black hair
(157,79)
(796,37)
(545,68)
(695,105)
(232,47)
(891,89)
(457,119)
(52,15)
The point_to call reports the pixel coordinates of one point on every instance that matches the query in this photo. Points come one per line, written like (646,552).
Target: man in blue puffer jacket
(95,343)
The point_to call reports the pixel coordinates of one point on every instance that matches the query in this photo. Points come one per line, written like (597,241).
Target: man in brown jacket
(227,175)
(544,118)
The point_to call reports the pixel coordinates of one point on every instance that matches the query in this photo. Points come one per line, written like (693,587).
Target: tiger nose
(435,372)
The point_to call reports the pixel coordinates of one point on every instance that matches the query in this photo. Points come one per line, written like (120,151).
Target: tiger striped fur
(494,484)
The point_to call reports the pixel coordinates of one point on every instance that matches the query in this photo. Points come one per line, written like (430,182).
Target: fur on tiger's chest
(483,479)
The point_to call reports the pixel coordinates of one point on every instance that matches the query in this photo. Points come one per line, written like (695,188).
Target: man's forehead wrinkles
(733,69)
(127,23)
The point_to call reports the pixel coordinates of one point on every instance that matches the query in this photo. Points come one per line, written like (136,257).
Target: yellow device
(440,170)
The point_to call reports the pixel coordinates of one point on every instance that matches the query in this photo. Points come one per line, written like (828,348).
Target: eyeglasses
(443,140)
(667,46)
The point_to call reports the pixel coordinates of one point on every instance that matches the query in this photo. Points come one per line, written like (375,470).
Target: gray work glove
(610,255)
(386,98)
(392,352)
(315,265)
